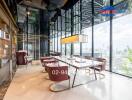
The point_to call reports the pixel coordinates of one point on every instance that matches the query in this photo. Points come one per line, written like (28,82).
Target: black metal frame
(65,31)
(111,38)
(61,35)
(54,36)
(27,27)
(72,28)
(92,5)
(57,33)
(80,26)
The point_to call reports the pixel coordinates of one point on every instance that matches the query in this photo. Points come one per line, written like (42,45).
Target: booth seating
(58,74)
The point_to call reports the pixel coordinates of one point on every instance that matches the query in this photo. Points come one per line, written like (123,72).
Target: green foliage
(129,55)
(127,66)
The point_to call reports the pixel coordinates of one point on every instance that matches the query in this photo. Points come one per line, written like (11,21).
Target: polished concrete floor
(30,84)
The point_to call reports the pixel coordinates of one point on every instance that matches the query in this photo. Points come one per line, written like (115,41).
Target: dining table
(78,63)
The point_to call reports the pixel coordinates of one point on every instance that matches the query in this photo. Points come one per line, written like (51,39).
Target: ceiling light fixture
(28,12)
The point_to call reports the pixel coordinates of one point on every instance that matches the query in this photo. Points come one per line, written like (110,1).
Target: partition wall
(108,36)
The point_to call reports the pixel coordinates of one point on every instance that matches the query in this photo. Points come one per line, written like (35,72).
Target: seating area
(65,49)
(57,68)
(32,84)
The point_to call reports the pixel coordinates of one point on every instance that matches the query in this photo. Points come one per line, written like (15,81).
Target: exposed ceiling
(43,4)
(52,6)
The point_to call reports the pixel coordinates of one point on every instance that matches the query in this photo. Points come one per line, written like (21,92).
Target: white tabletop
(78,62)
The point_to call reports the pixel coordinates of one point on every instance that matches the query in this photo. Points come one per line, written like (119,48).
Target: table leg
(95,74)
(74,78)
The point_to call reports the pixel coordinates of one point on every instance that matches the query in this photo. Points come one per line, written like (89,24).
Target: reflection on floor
(30,84)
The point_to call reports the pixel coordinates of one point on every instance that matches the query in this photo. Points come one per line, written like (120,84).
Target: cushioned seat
(57,74)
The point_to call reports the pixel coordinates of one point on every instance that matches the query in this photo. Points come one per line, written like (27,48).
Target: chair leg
(31,62)
(69,83)
(101,76)
(26,65)
(87,71)
(43,71)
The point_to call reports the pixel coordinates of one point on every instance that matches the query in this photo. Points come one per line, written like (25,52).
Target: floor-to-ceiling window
(101,32)
(122,40)
(53,35)
(59,34)
(68,30)
(63,31)
(31,34)
(86,27)
(76,27)
(102,40)
(51,38)
(56,38)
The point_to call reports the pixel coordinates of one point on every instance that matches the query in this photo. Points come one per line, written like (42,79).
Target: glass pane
(59,45)
(68,49)
(63,49)
(101,31)
(56,42)
(87,47)
(117,1)
(122,47)
(76,49)
(101,41)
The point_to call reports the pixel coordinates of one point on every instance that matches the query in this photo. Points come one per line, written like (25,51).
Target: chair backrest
(58,73)
(44,62)
(88,57)
(76,55)
(21,58)
(103,60)
(45,58)
(55,54)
